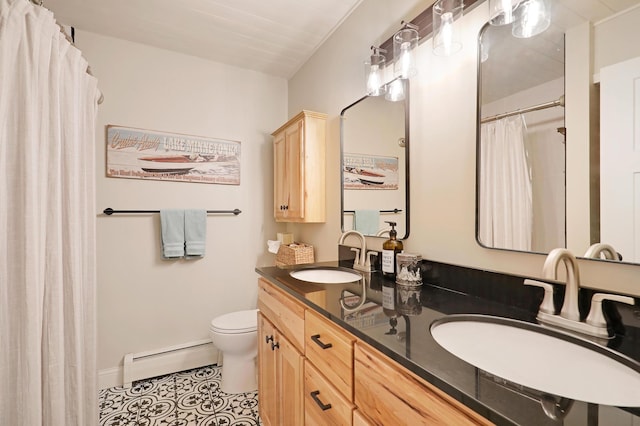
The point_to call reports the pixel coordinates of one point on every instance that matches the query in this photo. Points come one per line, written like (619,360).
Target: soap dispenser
(390,248)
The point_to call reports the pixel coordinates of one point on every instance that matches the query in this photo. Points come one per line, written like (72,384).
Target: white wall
(443,140)
(144,302)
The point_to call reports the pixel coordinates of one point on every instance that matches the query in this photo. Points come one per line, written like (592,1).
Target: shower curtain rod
(109,211)
(551,104)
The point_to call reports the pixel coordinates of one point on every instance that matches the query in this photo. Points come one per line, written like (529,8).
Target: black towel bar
(109,211)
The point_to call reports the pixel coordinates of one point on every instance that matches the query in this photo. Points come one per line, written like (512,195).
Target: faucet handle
(595,317)
(356,261)
(547,306)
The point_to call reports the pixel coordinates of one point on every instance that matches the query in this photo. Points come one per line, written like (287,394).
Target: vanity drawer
(392,395)
(286,313)
(324,405)
(330,349)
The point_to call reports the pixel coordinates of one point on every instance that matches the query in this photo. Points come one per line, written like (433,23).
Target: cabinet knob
(323,406)
(275,345)
(268,339)
(316,338)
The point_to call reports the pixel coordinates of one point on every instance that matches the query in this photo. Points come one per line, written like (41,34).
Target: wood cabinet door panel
(324,405)
(267,375)
(291,375)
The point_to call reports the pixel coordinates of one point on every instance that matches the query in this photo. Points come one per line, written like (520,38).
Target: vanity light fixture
(501,11)
(374,72)
(531,17)
(405,42)
(446,37)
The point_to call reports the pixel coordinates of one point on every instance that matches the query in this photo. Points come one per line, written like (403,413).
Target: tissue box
(285,238)
(294,254)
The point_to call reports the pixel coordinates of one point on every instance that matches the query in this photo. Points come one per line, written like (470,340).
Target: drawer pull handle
(316,338)
(275,345)
(322,406)
(268,339)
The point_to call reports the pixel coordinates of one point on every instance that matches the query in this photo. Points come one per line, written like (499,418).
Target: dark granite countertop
(403,335)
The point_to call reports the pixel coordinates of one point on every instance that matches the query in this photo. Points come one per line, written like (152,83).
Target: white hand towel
(172,236)
(195,232)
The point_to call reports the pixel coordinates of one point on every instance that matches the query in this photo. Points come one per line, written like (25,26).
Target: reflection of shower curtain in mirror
(505,207)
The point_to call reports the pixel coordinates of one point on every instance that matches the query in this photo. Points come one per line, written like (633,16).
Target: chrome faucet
(570,309)
(362,262)
(595,324)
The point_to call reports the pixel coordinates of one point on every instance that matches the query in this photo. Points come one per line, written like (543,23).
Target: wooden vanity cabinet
(314,372)
(390,394)
(299,169)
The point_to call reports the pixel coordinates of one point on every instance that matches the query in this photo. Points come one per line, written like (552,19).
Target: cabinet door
(288,166)
(294,170)
(291,383)
(267,374)
(280,191)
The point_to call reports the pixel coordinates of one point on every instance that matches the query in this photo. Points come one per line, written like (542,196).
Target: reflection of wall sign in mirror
(363,171)
(144,154)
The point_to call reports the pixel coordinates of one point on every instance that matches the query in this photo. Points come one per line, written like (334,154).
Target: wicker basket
(294,254)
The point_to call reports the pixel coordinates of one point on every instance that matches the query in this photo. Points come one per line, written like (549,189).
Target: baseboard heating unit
(143,365)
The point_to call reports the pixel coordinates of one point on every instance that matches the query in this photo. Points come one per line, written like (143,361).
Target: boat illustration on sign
(365,176)
(181,164)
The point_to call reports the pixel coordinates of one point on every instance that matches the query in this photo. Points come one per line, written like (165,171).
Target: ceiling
(275,37)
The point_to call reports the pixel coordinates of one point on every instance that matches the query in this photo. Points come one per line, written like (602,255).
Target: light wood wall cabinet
(299,169)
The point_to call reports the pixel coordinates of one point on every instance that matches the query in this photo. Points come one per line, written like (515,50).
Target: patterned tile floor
(187,398)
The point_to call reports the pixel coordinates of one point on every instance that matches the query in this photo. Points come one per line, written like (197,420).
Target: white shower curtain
(48,105)
(505,205)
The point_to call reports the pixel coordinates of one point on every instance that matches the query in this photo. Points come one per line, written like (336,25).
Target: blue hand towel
(195,232)
(366,221)
(172,225)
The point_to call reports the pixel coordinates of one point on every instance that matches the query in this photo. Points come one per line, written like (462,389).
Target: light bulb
(375,80)
(447,32)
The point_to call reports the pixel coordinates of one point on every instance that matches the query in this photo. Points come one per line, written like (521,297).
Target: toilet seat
(236,322)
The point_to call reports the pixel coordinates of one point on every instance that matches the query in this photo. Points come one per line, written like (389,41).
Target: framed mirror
(555,138)
(374,147)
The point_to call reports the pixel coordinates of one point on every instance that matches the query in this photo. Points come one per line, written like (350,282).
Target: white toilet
(236,335)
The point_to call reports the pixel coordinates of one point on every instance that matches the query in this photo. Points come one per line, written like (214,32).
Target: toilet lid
(236,322)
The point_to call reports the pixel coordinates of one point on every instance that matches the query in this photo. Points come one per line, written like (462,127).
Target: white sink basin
(541,359)
(326,275)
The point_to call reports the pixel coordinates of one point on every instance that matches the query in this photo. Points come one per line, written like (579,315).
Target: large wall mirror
(558,146)
(375,163)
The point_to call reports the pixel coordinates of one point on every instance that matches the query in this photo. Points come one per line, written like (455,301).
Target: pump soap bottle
(390,248)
